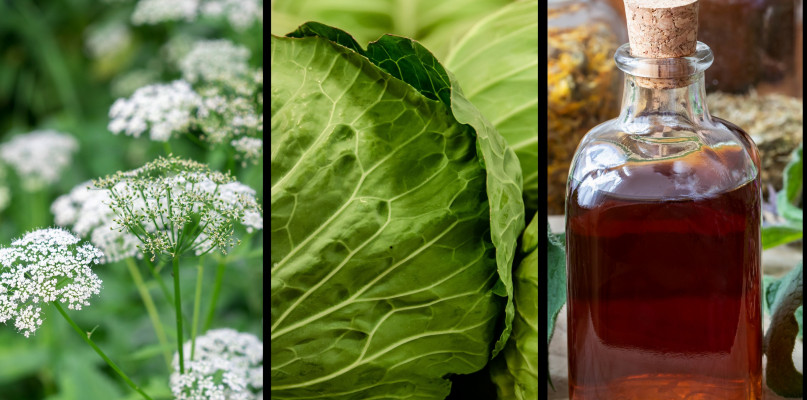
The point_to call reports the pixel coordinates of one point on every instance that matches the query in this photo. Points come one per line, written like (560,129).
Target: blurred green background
(62,65)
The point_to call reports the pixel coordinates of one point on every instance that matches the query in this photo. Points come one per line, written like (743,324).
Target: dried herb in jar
(583,87)
(774,121)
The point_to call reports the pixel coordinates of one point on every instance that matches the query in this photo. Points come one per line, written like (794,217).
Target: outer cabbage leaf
(437,24)
(496,63)
(517,376)
(385,246)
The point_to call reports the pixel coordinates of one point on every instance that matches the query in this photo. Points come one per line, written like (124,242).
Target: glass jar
(582,81)
(663,244)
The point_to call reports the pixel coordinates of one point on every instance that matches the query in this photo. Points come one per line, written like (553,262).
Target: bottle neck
(645,104)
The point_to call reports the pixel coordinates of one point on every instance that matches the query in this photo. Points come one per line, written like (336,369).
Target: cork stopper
(662,29)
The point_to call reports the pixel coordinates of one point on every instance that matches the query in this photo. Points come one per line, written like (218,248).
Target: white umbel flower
(163,109)
(86,210)
(39,157)
(215,60)
(248,148)
(241,14)
(108,39)
(176,206)
(44,266)
(149,12)
(227,365)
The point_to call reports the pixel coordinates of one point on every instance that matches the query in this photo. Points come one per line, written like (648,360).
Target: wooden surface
(776,261)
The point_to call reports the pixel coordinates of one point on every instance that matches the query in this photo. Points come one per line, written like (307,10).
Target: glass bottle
(663,244)
(582,81)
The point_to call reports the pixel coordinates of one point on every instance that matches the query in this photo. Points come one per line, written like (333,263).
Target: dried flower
(86,210)
(176,206)
(227,365)
(39,157)
(215,60)
(162,109)
(775,123)
(44,266)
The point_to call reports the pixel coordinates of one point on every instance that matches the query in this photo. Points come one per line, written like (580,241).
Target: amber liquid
(664,295)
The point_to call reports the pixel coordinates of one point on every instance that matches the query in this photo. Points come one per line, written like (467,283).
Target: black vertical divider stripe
(543,348)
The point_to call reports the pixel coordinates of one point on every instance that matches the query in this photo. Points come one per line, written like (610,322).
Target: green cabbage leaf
(396,208)
(436,24)
(517,376)
(496,63)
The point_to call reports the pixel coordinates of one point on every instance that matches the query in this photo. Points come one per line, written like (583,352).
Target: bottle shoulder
(669,159)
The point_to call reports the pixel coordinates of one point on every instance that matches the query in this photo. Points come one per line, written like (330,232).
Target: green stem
(197,300)
(214,298)
(37,205)
(151,309)
(178,309)
(167,148)
(100,352)
(156,274)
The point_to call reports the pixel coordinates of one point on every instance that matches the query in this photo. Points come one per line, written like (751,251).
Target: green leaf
(556,279)
(517,377)
(410,62)
(767,281)
(338,36)
(792,189)
(18,358)
(496,63)
(437,24)
(389,231)
(787,295)
(504,195)
(529,240)
(79,379)
(777,235)
(504,380)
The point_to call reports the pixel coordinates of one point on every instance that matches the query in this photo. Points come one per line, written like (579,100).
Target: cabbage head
(496,63)
(396,209)
(516,376)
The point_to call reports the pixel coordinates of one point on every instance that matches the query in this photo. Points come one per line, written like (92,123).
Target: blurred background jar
(584,85)
(756,80)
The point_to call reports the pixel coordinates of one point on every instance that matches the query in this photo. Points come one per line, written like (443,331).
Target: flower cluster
(223,115)
(107,39)
(44,266)
(156,11)
(227,365)
(248,148)
(39,157)
(163,109)
(175,206)
(240,14)
(215,61)
(86,210)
